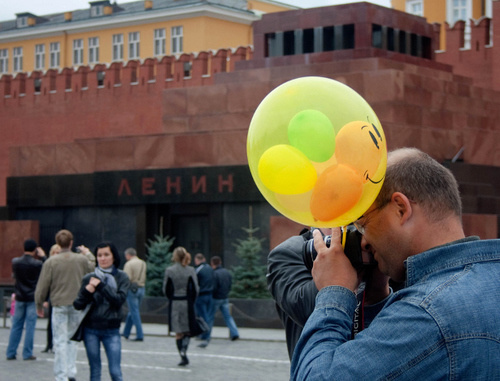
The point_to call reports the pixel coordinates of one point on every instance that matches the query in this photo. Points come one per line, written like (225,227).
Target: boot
(182,346)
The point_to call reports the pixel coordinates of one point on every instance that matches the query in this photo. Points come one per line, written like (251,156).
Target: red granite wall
(12,236)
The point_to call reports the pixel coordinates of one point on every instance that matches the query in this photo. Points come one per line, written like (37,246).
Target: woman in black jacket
(105,290)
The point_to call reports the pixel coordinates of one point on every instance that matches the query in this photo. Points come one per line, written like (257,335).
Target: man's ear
(403,206)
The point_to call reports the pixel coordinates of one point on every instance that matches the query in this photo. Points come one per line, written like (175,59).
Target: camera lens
(352,248)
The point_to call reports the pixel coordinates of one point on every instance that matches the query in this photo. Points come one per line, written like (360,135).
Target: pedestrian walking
(180,285)
(60,278)
(105,291)
(222,286)
(136,271)
(204,302)
(26,270)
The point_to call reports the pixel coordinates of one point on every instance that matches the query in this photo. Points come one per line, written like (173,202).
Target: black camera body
(352,249)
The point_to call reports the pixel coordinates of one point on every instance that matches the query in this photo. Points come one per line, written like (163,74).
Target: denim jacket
(444,325)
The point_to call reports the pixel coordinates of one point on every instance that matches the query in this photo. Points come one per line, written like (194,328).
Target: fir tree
(249,279)
(159,257)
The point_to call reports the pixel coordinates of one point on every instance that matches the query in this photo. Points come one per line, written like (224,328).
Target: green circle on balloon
(311,132)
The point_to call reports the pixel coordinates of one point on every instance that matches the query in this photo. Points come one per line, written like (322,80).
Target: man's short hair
(131,251)
(199,257)
(64,238)
(30,245)
(424,181)
(216,261)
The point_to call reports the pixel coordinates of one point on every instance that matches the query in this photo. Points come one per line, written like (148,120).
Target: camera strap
(358,322)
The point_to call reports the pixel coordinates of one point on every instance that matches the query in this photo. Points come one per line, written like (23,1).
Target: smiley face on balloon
(317,152)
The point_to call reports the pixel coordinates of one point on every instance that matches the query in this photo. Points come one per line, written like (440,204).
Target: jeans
(203,307)
(134,318)
(24,312)
(110,338)
(223,306)
(65,321)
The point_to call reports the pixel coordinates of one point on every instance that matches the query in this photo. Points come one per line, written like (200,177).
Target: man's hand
(332,267)
(40,252)
(39,312)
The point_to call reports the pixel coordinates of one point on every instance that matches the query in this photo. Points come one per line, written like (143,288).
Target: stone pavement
(259,354)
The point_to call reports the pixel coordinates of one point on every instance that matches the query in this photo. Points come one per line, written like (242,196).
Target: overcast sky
(9,8)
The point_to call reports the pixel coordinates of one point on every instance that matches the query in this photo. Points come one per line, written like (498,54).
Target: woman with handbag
(180,285)
(105,290)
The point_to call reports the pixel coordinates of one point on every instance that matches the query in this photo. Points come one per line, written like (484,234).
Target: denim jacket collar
(457,253)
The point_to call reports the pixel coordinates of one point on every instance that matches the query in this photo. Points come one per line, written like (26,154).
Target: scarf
(106,276)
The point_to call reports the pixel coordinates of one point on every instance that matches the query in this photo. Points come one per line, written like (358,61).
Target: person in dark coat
(203,304)
(26,269)
(105,291)
(222,286)
(180,285)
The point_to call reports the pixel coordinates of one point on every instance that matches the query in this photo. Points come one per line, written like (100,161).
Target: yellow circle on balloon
(298,129)
(286,170)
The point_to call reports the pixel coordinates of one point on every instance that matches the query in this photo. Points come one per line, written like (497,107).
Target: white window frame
(4,61)
(176,39)
(17,59)
(93,50)
(415,7)
(118,47)
(78,52)
(39,56)
(55,55)
(465,8)
(134,40)
(159,42)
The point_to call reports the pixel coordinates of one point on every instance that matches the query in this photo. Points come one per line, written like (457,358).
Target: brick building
(145,146)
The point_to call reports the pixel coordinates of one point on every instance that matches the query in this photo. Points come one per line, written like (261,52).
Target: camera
(352,250)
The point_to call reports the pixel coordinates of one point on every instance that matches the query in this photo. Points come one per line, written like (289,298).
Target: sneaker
(11,358)
(203,344)
(234,338)
(30,358)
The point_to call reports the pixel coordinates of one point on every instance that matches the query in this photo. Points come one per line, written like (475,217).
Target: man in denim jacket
(444,324)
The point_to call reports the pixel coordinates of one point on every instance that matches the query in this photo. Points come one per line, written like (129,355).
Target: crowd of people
(425,311)
(84,292)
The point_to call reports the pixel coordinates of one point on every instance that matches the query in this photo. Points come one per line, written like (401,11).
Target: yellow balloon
(286,170)
(317,103)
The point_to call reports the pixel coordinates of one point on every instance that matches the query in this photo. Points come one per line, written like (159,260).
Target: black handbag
(78,335)
(198,327)
(134,287)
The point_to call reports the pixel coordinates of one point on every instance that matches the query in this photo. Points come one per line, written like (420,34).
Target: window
(415,7)
(55,55)
(97,10)
(93,50)
(78,52)
(159,42)
(460,10)
(22,22)
(176,40)
(39,57)
(117,47)
(18,59)
(4,60)
(133,45)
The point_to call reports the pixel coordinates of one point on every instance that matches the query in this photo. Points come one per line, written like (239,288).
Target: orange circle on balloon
(317,124)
